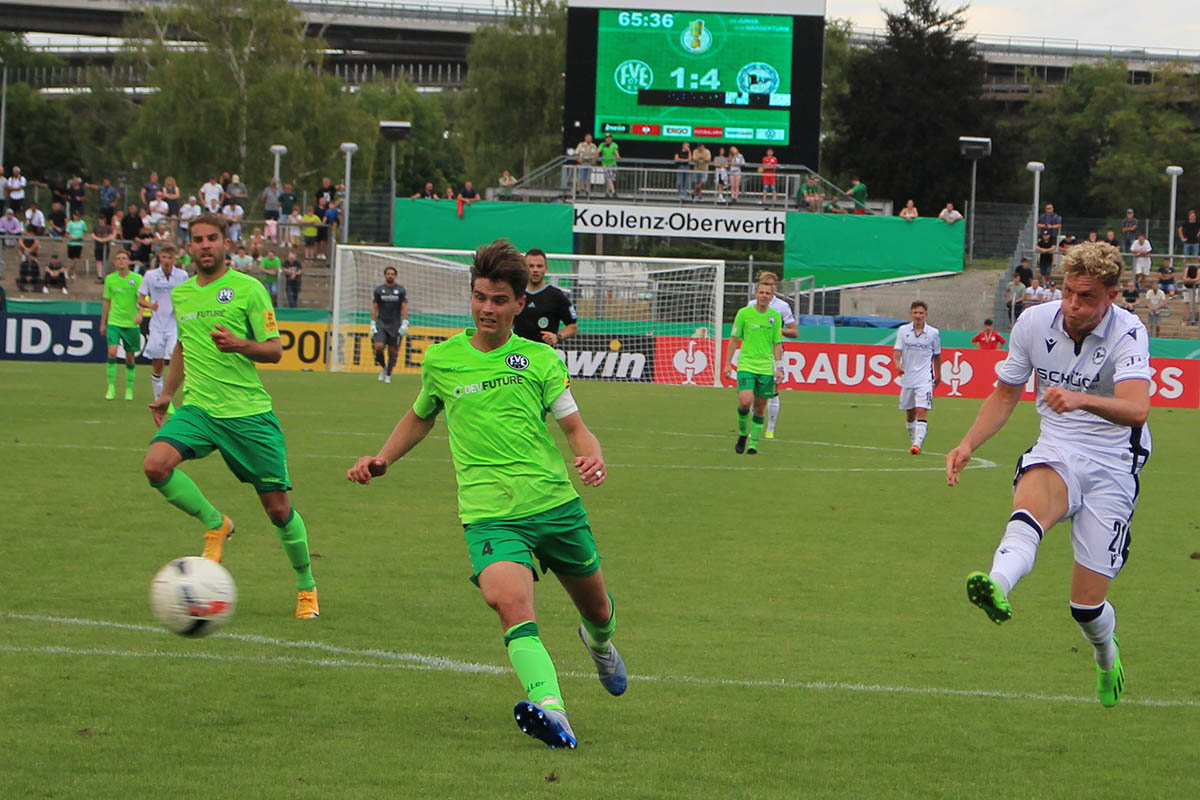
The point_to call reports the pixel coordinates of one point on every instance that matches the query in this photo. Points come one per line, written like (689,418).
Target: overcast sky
(1145,23)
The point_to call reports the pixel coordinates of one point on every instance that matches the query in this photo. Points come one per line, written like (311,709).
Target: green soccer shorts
(762,385)
(252,446)
(131,338)
(561,538)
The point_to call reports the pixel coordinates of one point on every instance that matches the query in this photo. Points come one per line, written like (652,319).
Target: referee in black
(548,315)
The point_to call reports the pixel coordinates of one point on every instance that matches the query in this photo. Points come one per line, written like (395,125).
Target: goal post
(630,309)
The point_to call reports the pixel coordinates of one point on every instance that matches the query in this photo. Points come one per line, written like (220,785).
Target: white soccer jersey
(157,287)
(1118,350)
(916,354)
(780,305)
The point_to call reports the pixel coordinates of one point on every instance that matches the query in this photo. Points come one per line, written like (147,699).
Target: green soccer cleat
(1110,683)
(985,593)
(110,394)
(769,434)
(129,394)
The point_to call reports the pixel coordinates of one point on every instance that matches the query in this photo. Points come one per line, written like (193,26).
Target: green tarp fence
(846,248)
(435,223)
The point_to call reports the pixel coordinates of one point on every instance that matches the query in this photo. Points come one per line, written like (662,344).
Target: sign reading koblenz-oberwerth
(695,221)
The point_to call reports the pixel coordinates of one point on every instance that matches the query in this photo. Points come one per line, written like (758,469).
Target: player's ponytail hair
(1097,259)
(502,263)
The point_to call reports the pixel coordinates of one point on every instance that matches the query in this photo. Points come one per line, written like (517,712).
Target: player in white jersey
(1091,361)
(157,285)
(917,357)
(790,331)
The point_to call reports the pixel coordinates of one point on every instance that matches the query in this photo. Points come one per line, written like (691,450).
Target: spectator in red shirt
(988,339)
(769,163)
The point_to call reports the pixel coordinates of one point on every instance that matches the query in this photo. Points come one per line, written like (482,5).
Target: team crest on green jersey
(225,295)
(516,361)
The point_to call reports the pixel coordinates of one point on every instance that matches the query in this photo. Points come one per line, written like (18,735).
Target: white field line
(414,661)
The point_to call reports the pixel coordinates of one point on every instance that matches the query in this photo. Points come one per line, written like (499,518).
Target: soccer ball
(193,596)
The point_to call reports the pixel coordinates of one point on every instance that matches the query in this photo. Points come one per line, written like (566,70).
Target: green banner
(849,248)
(435,223)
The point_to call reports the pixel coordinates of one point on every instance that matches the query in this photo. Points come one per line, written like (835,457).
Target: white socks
(772,413)
(1098,624)
(157,382)
(1017,551)
(919,430)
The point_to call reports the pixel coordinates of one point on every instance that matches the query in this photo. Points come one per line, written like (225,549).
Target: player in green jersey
(119,322)
(515,498)
(226,325)
(758,331)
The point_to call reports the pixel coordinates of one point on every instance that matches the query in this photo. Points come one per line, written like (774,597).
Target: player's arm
(374,316)
(589,459)
(403,317)
(791,331)
(407,434)
(994,412)
(1129,405)
(268,351)
(158,409)
(143,301)
(104,316)
(937,368)
(779,362)
(568,331)
(897,360)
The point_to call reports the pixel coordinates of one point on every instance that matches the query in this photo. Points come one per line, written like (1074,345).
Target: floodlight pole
(277,150)
(349,148)
(1036,167)
(971,233)
(1174,172)
(392,199)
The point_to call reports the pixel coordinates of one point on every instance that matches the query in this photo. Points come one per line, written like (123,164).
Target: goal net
(640,319)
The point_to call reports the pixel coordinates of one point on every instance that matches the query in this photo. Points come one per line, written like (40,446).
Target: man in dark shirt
(1130,296)
(1189,235)
(1050,223)
(287,201)
(131,226)
(1129,227)
(75,195)
(468,195)
(389,321)
(56,220)
(327,190)
(1023,271)
(546,307)
(151,188)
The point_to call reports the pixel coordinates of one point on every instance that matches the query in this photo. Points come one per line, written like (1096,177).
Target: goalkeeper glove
(374,330)
(404,328)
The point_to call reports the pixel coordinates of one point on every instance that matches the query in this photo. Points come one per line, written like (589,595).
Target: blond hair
(768,277)
(1097,259)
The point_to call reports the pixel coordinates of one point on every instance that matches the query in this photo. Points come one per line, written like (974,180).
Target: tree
(430,153)
(1106,142)
(513,101)
(908,100)
(834,83)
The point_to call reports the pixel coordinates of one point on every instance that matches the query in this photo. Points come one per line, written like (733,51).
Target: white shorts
(1140,269)
(722,175)
(160,343)
(1101,499)
(916,397)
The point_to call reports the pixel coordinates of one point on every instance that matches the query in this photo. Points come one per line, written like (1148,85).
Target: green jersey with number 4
(223,384)
(121,292)
(759,332)
(505,459)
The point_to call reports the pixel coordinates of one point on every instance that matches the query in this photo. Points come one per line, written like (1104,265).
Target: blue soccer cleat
(547,724)
(609,665)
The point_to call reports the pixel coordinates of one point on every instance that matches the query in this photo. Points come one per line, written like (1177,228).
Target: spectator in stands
(1189,235)
(131,224)
(858,193)
(1141,249)
(103,234)
(950,214)
(327,191)
(1110,238)
(236,192)
(610,154)
(339,195)
(163,235)
(35,220)
(1014,298)
(683,168)
(469,194)
(1129,227)
(109,198)
(225,180)
(448,194)
(150,189)
(333,221)
(427,193)
(1130,296)
(76,192)
(270,198)
(211,194)
(507,181)
(311,230)
(1034,293)
(1023,271)
(55,275)
(1191,282)
(29,246)
(288,201)
(10,228)
(188,212)
(908,213)
(701,159)
(292,268)
(1156,303)
(1050,222)
(141,249)
(242,261)
(586,153)
(1046,251)
(1053,292)
(291,233)
(721,176)
(269,266)
(56,221)
(736,162)
(14,190)
(988,338)
(1092,238)
(1166,277)
(770,165)
(170,195)
(233,213)
(76,230)
(256,245)
(29,275)
(159,210)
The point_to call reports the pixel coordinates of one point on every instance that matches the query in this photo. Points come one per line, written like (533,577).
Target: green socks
(185,495)
(294,537)
(111,369)
(533,665)
(599,635)
(129,368)
(756,429)
(743,422)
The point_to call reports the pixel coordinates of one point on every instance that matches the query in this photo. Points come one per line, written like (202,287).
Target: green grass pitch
(795,624)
